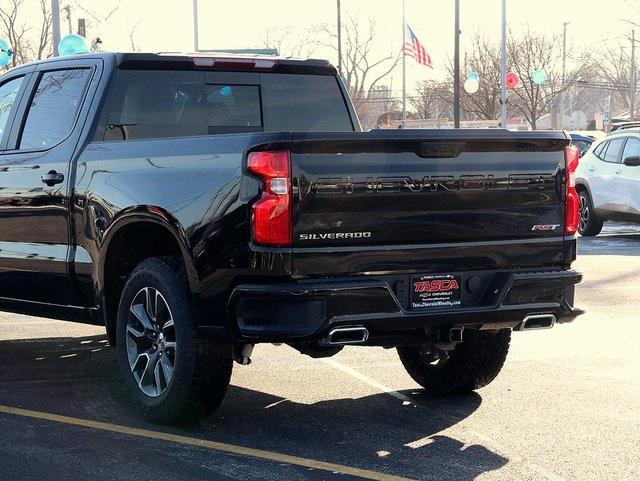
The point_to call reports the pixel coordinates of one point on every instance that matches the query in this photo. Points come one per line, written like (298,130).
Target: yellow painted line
(203,443)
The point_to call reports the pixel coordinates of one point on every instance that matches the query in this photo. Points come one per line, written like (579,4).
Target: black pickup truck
(197,206)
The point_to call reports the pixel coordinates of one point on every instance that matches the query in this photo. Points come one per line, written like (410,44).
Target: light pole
(503,67)
(632,78)
(55,23)
(564,71)
(456,68)
(339,27)
(195,25)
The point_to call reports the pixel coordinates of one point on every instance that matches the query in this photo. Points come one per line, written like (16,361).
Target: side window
(613,152)
(631,148)
(8,93)
(599,150)
(53,108)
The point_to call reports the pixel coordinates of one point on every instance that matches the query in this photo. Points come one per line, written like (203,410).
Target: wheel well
(581,188)
(132,244)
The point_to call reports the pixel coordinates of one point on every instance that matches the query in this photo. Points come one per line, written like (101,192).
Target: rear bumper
(307,310)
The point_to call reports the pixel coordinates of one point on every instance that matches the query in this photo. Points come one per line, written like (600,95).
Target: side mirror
(632,161)
(582,152)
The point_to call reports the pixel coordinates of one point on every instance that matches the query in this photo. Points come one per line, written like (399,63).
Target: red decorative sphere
(512,80)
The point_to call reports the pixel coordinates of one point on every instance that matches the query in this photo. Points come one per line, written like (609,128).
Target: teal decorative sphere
(5,53)
(72,45)
(539,77)
(473,76)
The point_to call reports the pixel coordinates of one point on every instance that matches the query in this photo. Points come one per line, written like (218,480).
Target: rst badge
(545,227)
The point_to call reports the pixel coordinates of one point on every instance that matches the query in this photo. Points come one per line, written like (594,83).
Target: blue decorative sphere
(72,44)
(473,76)
(5,53)
(539,77)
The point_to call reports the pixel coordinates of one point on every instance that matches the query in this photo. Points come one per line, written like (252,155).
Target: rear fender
(158,215)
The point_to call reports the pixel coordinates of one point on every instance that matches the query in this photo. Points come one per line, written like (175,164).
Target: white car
(608,182)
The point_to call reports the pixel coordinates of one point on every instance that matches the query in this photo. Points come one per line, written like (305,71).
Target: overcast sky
(167,25)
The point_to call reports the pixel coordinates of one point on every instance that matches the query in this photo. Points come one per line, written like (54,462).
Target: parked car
(608,182)
(197,206)
(582,142)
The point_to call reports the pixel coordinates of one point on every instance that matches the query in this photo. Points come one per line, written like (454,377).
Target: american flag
(414,48)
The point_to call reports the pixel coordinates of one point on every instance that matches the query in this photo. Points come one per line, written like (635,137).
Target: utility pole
(607,119)
(67,9)
(456,68)
(564,71)
(632,79)
(339,27)
(195,26)
(503,67)
(55,23)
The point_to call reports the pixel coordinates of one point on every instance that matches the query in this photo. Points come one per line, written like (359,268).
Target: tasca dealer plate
(435,291)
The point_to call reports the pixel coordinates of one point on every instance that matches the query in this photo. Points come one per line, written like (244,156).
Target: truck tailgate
(424,200)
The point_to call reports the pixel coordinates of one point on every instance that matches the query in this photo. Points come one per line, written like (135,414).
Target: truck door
(603,171)
(34,185)
(628,181)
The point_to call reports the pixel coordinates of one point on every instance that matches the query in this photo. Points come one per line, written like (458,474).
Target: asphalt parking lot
(565,407)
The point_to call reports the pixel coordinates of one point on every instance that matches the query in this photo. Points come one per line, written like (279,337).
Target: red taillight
(571,207)
(271,214)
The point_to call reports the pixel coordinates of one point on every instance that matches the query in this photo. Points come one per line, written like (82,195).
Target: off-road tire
(589,223)
(473,364)
(202,368)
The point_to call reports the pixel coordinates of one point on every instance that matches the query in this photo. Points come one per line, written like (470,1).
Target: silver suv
(608,182)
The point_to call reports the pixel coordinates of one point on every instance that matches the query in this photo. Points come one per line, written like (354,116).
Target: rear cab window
(145,104)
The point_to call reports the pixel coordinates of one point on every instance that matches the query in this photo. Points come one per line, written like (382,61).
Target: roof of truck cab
(181,61)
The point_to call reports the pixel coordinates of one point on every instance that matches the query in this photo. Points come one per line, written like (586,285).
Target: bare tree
(14,30)
(290,42)
(613,70)
(528,53)
(363,69)
(45,40)
(132,37)
(25,45)
(484,58)
(432,99)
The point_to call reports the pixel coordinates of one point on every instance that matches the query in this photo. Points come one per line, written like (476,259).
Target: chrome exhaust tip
(537,321)
(341,336)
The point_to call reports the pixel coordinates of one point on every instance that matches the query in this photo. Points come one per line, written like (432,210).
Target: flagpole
(404,79)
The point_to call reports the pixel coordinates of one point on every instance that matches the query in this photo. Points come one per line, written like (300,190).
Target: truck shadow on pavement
(78,377)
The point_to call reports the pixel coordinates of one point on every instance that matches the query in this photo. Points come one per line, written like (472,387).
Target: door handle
(591,169)
(51,178)
(618,171)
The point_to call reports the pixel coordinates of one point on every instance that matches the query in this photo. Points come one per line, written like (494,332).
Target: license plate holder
(436,291)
